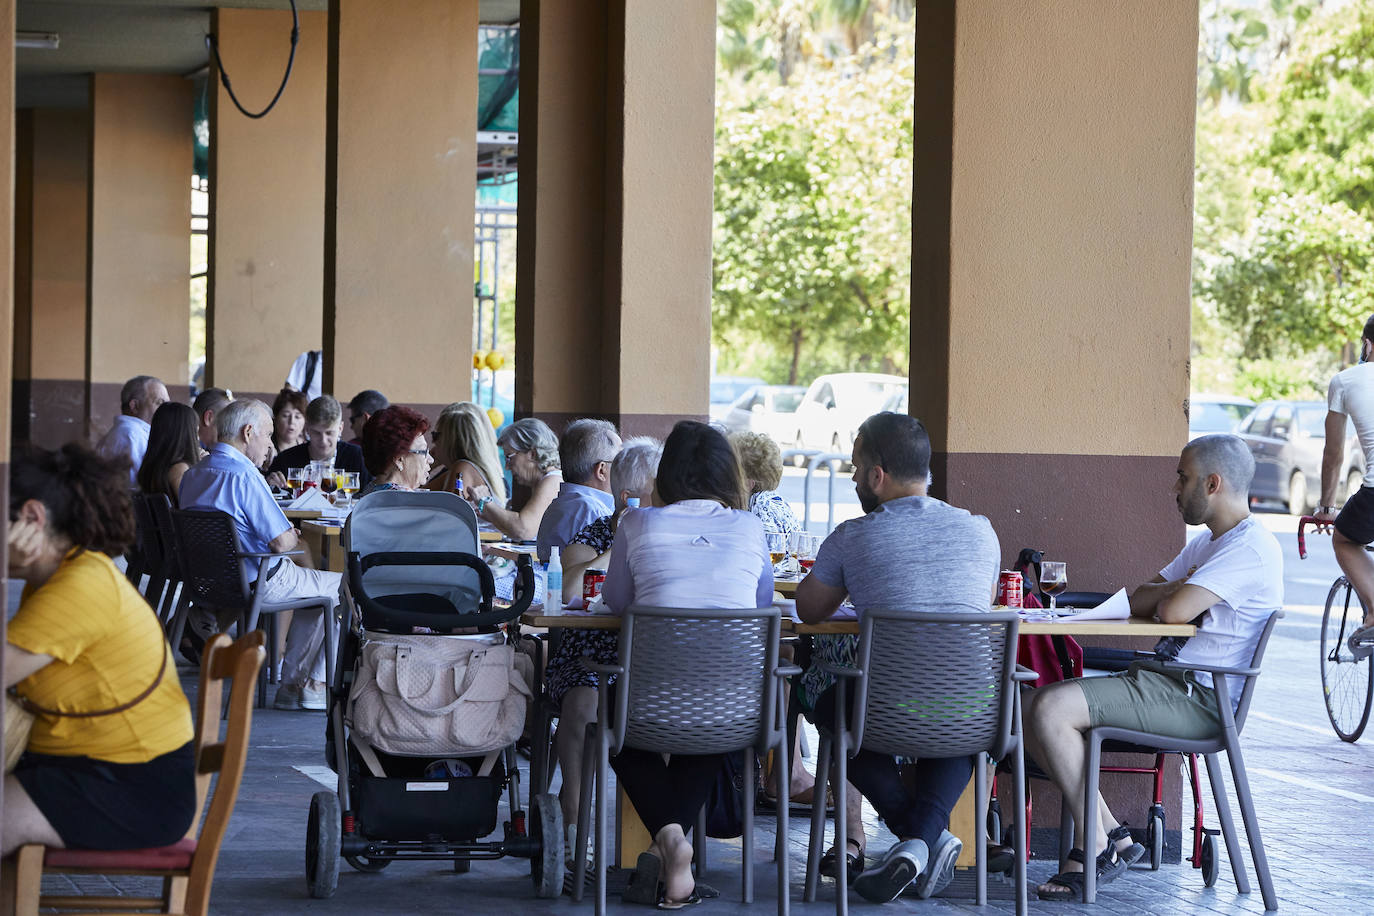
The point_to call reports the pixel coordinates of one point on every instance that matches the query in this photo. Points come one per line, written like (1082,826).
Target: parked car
(725,390)
(1287,439)
(1208,414)
(769,409)
(835,405)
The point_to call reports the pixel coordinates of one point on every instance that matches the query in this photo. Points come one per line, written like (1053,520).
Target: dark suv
(1287,439)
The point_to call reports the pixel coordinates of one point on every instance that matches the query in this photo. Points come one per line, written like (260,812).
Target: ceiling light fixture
(43,41)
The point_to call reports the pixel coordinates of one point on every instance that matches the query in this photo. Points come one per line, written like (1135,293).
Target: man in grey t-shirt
(910,551)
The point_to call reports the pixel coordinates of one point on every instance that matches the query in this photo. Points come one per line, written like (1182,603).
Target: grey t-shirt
(913,553)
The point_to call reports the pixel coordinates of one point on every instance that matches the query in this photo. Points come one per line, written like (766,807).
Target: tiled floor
(1315,796)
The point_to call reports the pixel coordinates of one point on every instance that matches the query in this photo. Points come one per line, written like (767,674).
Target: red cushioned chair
(187,867)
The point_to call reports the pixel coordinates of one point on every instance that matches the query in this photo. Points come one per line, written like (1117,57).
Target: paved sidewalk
(1315,797)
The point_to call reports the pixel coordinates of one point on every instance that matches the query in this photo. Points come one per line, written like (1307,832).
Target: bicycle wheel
(1347,684)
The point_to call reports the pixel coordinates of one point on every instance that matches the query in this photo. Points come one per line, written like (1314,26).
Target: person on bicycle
(1351,394)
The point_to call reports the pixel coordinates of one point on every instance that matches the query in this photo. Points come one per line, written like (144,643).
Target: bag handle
(473,658)
(37,710)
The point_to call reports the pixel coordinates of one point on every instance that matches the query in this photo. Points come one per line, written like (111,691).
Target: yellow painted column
(138,280)
(265,297)
(401,152)
(52,160)
(1051,263)
(614,276)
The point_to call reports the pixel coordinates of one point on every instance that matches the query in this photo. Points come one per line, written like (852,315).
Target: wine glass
(1054,580)
(807,546)
(777,546)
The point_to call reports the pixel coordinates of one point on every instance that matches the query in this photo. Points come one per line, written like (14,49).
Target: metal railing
(814,458)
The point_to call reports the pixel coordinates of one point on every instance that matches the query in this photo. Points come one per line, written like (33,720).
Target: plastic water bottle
(458,484)
(632,502)
(553,594)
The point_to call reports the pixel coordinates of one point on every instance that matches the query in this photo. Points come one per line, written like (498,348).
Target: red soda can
(592,581)
(1009,589)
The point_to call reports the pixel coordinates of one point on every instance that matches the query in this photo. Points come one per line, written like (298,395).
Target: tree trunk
(796,338)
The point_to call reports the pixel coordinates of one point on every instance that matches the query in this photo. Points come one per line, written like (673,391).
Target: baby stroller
(428,704)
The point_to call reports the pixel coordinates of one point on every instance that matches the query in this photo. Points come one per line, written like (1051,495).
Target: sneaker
(312,697)
(288,697)
(895,871)
(940,871)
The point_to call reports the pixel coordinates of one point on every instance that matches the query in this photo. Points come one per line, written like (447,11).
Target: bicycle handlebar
(1317,525)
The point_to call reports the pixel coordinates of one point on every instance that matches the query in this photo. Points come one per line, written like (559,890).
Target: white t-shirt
(1244,568)
(296,377)
(1351,392)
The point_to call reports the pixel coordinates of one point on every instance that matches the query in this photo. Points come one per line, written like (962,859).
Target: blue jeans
(922,811)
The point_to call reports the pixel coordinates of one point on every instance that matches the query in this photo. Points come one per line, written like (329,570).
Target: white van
(835,405)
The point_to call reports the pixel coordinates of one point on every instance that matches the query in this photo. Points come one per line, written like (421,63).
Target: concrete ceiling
(135,36)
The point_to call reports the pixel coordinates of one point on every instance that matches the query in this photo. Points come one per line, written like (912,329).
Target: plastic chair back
(149,539)
(697,680)
(937,684)
(161,508)
(208,543)
(1248,691)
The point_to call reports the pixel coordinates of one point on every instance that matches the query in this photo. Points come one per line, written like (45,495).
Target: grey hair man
(360,409)
(229,481)
(207,406)
(139,399)
(585,452)
(1227,581)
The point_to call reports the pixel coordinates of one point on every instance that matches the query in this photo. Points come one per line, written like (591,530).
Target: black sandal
(645,886)
(1131,854)
(854,863)
(1067,887)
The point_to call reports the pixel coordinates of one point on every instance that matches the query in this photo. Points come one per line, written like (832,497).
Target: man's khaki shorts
(1151,698)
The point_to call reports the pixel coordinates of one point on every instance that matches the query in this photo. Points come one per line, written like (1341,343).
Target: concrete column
(52,160)
(1052,235)
(614,276)
(138,286)
(265,299)
(6,294)
(401,152)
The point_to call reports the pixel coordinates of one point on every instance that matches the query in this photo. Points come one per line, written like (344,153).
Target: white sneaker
(288,697)
(894,872)
(314,697)
(940,871)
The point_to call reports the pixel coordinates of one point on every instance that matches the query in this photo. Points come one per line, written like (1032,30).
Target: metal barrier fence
(814,458)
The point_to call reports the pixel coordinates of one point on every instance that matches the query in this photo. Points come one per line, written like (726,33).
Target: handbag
(437,696)
(1048,656)
(725,804)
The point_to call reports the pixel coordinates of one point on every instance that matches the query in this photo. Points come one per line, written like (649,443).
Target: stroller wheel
(364,864)
(462,866)
(323,837)
(546,829)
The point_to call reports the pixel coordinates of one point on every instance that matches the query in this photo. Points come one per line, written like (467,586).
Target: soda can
(1009,589)
(592,581)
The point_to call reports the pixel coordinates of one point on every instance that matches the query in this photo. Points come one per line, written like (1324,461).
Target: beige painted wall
(399,217)
(61,150)
(666,188)
(1070,227)
(140,199)
(560,271)
(266,288)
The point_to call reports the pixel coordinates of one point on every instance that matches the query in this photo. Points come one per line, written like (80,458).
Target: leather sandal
(1131,854)
(854,863)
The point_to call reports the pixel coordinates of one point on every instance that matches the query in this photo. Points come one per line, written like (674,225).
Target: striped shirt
(107,647)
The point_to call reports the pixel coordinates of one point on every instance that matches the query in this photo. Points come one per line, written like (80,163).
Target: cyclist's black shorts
(1356,520)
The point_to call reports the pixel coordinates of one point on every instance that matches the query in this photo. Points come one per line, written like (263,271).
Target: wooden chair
(187,867)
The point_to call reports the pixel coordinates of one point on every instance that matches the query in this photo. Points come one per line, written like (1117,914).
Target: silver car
(769,409)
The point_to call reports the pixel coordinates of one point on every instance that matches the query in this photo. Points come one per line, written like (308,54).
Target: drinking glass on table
(777,546)
(807,545)
(1054,580)
(295,480)
(348,482)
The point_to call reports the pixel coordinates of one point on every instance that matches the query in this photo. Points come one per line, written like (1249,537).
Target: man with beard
(910,551)
(1227,580)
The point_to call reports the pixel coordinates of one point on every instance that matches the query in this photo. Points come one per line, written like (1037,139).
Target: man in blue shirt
(229,480)
(586,451)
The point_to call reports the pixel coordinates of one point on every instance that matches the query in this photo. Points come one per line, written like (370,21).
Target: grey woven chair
(216,577)
(161,508)
(149,559)
(691,681)
(1227,740)
(933,685)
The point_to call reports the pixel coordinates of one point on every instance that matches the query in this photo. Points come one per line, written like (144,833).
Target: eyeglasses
(419,451)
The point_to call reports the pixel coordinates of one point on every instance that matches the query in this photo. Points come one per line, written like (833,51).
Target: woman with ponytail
(109,764)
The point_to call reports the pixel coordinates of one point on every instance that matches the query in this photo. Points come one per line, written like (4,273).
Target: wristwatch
(1328,510)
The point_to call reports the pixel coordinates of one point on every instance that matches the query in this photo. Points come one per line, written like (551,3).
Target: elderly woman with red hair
(395,451)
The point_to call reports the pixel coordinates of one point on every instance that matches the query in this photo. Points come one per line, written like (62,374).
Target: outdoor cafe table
(634,837)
